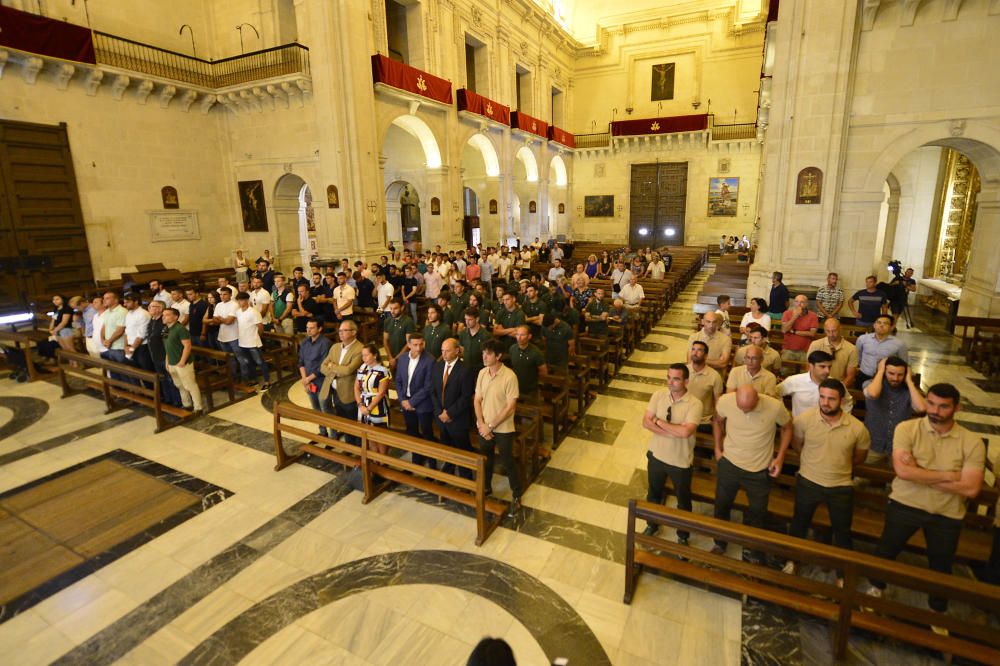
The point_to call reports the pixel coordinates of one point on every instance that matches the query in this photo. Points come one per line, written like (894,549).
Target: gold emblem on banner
(489,109)
(655,126)
(421,85)
(534,127)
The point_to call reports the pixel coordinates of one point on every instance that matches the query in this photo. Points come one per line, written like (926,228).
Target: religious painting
(252,205)
(169,196)
(435,206)
(723,194)
(332,197)
(662,86)
(809,186)
(599,205)
(562,208)
(532,207)
(493,206)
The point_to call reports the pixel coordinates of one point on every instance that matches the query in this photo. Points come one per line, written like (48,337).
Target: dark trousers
(233,347)
(347,410)
(142,359)
(504,443)
(756,485)
(421,424)
(116,355)
(456,434)
(251,359)
(657,473)
(940,532)
(860,379)
(318,403)
(168,392)
(839,502)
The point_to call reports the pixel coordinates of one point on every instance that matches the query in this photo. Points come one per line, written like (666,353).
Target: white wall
(917,174)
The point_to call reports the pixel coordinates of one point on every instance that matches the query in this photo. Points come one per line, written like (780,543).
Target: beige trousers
(187,384)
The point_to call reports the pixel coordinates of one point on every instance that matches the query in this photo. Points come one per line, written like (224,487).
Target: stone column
(981,291)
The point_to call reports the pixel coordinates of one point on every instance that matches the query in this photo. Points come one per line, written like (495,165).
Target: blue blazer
(420,386)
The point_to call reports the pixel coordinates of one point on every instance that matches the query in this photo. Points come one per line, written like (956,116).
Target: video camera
(896,267)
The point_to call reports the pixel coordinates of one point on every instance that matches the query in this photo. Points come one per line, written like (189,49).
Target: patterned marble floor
(292,568)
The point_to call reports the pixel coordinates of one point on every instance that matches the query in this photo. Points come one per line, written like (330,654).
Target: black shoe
(515,508)
(651,530)
(682,540)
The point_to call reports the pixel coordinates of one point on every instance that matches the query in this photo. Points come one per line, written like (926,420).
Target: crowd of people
(738,398)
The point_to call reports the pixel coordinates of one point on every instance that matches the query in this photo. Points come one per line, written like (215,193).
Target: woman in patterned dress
(371,391)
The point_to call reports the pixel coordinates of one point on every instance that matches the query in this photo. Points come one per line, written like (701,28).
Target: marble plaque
(173,225)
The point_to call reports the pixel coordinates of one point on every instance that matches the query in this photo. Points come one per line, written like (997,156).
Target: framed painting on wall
(332,197)
(562,209)
(723,194)
(532,207)
(252,205)
(599,205)
(493,206)
(809,186)
(662,85)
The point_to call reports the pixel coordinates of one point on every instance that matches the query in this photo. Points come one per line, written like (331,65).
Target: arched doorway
(471,229)
(480,170)
(404,226)
(947,221)
(292,213)
(410,152)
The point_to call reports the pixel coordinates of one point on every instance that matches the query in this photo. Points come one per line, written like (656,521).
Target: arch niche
(292,210)
(480,169)
(558,194)
(410,151)
(525,185)
(917,238)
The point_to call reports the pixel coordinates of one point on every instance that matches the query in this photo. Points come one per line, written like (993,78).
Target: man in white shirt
(504,264)
(182,305)
(260,300)
(383,292)
(160,294)
(343,298)
(620,276)
(556,253)
(225,286)
(804,387)
(557,271)
(136,329)
(632,293)
(249,327)
(94,344)
(224,316)
(656,269)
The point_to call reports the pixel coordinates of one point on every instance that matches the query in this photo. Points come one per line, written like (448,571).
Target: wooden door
(657,204)
(43,243)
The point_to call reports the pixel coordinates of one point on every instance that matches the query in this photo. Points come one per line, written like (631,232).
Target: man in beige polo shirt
(704,383)
(830,443)
(844,353)
(758,338)
(720,345)
(495,402)
(672,416)
(753,374)
(744,448)
(938,465)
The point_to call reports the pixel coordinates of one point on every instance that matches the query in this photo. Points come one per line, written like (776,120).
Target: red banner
(523,121)
(410,79)
(561,136)
(694,123)
(475,103)
(44,36)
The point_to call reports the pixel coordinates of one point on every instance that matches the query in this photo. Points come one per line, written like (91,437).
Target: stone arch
(527,159)
(396,219)
(420,131)
(485,147)
(557,172)
(290,223)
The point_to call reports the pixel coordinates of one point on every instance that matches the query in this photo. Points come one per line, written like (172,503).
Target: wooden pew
(378,470)
(281,352)
(844,608)
(145,391)
(213,372)
(25,340)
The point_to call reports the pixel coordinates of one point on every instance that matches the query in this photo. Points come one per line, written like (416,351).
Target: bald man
(743,429)
(845,355)
(720,345)
(753,373)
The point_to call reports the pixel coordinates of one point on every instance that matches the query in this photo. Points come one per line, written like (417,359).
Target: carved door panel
(657,204)
(43,243)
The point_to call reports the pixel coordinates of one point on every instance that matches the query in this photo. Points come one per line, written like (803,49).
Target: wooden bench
(213,372)
(844,608)
(281,352)
(144,391)
(25,340)
(379,470)
(554,405)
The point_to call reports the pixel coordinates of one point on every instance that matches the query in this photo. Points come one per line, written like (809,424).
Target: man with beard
(891,397)
(830,443)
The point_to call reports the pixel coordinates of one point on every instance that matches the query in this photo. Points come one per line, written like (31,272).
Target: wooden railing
(734,132)
(599,140)
(844,607)
(135,56)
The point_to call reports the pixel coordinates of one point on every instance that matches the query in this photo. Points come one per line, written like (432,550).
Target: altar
(941,296)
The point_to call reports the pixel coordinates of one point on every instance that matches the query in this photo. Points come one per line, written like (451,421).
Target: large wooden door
(43,243)
(657,204)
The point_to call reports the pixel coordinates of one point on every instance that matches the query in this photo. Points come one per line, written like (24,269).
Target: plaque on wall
(169,196)
(809,186)
(173,225)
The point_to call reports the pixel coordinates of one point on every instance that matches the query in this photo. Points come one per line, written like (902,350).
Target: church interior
(662,174)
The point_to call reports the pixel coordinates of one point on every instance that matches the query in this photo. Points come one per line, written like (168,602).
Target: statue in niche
(562,208)
(532,207)
(809,186)
(435,206)
(409,209)
(332,197)
(493,206)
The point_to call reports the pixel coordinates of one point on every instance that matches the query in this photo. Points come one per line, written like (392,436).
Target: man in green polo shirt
(396,332)
(177,344)
(559,344)
(534,309)
(596,315)
(527,362)
(436,331)
(472,338)
(508,318)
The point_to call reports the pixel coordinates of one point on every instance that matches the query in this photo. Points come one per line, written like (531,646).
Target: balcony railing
(734,132)
(599,140)
(137,57)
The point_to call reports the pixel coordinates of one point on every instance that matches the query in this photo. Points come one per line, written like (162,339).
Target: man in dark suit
(413,386)
(453,399)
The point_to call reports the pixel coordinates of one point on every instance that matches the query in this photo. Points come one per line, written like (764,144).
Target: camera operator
(901,285)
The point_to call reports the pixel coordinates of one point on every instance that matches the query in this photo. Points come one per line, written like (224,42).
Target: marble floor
(290,567)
